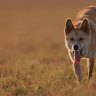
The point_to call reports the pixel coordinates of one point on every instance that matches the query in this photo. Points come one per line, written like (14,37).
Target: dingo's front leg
(90,67)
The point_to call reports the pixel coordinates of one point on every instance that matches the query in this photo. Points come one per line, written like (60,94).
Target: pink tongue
(77,57)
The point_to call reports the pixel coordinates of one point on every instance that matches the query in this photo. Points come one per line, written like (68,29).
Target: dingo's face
(77,39)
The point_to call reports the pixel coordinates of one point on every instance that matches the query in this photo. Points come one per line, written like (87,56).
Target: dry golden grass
(33,58)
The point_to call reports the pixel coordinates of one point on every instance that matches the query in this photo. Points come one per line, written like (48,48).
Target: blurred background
(33,57)
(35,27)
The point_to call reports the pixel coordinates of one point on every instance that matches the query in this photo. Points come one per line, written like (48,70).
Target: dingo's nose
(75,47)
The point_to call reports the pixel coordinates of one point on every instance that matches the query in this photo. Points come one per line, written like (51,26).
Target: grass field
(33,58)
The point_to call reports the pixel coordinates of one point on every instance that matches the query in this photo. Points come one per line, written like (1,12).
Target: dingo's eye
(72,39)
(81,39)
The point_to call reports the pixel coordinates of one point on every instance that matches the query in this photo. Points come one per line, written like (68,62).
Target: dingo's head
(77,38)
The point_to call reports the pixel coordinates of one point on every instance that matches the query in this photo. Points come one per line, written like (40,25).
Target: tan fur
(84,26)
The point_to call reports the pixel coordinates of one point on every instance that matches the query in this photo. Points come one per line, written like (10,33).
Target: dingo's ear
(85,26)
(69,26)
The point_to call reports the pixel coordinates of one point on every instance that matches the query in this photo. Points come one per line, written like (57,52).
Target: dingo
(80,40)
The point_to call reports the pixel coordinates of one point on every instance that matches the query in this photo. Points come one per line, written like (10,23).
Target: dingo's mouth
(77,56)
